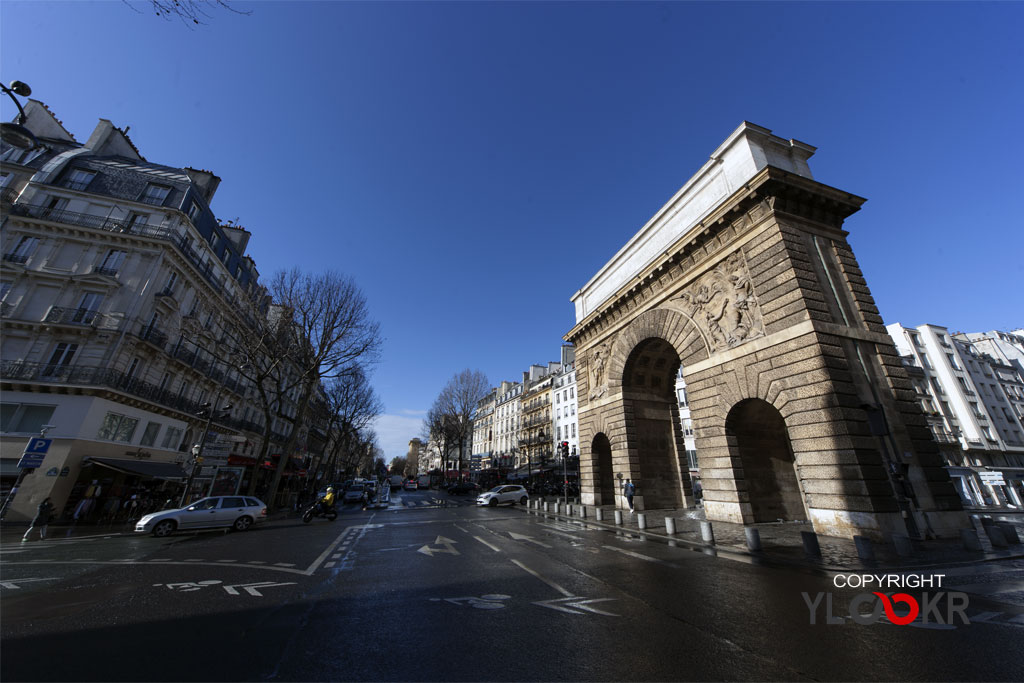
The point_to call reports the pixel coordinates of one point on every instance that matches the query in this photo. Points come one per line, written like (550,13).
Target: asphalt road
(436,589)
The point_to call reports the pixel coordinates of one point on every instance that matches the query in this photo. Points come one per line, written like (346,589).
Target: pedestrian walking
(41,520)
(629,491)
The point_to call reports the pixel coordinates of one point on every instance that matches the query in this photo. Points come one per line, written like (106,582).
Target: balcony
(16,258)
(70,316)
(106,378)
(104,270)
(154,336)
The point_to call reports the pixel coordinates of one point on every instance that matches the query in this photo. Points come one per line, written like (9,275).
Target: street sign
(31,460)
(38,445)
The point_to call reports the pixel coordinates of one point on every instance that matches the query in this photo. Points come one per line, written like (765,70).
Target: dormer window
(155,194)
(79,179)
(193,211)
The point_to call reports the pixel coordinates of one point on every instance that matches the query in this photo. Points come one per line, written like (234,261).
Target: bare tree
(332,335)
(188,11)
(353,405)
(439,428)
(458,402)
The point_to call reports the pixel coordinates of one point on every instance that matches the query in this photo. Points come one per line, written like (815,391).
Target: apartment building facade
(973,401)
(121,294)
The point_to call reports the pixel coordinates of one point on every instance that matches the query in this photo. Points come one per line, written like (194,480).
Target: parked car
(461,488)
(237,512)
(507,493)
(411,485)
(354,493)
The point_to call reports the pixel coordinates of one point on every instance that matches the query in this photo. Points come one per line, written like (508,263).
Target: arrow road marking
(566,604)
(521,537)
(250,588)
(10,583)
(441,540)
(548,582)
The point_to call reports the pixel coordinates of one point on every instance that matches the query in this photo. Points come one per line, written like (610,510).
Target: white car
(237,512)
(508,493)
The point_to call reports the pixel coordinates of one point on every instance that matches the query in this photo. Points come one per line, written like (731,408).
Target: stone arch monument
(800,405)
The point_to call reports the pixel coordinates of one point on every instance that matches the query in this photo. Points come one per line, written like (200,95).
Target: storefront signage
(992,478)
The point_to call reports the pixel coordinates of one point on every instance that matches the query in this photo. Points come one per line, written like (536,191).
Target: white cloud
(394,433)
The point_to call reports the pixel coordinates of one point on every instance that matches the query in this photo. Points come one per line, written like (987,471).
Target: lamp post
(197,449)
(17,134)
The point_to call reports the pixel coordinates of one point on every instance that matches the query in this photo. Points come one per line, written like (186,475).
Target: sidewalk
(781,542)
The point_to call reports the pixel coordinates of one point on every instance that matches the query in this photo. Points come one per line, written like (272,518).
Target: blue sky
(472,165)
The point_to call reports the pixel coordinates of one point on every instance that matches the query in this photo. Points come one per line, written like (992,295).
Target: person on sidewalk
(629,491)
(41,520)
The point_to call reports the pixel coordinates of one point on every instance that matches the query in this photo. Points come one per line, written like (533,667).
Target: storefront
(116,489)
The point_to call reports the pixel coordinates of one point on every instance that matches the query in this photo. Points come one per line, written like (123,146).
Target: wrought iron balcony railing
(112,379)
(16,258)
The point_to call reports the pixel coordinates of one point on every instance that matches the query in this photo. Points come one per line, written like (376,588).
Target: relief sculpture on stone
(722,305)
(598,371)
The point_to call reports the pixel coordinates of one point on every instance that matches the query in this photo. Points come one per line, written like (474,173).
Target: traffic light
(565,449)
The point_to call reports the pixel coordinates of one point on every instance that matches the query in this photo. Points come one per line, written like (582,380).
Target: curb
(768,557)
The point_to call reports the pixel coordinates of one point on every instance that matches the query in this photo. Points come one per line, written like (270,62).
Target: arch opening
(605,475)
(659,470)
(757,433)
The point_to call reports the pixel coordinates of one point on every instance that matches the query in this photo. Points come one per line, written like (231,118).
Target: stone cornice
(770,191)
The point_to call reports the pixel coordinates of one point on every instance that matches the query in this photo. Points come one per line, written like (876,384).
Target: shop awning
(141,468)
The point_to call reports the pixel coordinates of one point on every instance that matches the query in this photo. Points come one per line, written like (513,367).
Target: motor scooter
(318,509)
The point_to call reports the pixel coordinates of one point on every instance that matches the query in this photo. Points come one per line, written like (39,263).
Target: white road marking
(554,585)
(442,541)
(531,539)
(250,588)
(12,583)
(636,555)
(487,544)
(564,605)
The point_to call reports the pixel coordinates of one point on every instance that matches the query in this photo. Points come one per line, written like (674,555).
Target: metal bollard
(969,539)
(670,525)
(995,535)
(599,514)
(641,521)
(618,516)
(546,506)
(707,534)
(583,511)
(864,549)
(904,548)
(753,538)
(811,545)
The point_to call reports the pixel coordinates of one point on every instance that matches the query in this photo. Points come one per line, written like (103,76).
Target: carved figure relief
(598,371)
(723,306)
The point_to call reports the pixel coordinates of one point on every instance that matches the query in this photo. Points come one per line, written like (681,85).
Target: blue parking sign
(38,445)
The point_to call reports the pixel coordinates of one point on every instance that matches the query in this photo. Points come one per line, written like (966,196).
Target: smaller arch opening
(757,431)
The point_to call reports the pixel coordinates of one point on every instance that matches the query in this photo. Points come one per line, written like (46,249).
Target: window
(117,428)
(79,179)
(87,308)
(60,358)
(574,430)
(24,418)
(5,179)
(132,368)
(214,241)
(165,381)
(149,436)
(137,221)
(112,262)
(172,280)
(172,438)
(26,245)
(952,361)
(193,211)
(155,194)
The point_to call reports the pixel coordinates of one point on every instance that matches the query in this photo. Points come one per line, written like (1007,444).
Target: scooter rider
(327,502)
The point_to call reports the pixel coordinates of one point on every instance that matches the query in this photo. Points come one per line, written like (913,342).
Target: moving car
(411,485)
(237,512)
(507,493)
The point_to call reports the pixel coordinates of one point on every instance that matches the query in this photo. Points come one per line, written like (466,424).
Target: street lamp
(197,449)
(17,134)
